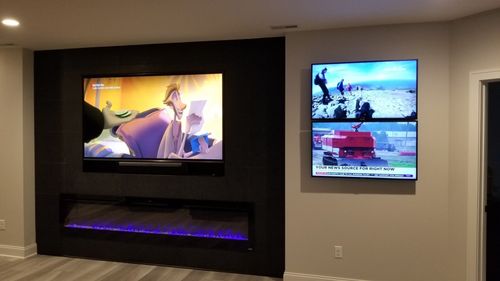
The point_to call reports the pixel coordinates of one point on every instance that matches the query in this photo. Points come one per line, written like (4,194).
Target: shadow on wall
(308,184)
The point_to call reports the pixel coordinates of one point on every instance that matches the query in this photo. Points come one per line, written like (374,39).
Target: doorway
(477,172)
(493,181)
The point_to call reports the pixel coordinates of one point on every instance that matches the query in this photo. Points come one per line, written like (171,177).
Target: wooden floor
(49,268)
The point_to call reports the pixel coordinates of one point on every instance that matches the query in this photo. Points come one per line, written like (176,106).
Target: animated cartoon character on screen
(94,123)
(173,140)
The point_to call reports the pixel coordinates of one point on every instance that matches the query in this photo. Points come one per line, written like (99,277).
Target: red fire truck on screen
(350,148)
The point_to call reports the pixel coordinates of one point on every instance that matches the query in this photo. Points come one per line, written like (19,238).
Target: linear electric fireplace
(201,223)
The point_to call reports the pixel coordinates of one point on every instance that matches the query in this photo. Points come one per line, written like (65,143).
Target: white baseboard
(293,276)
(18,252)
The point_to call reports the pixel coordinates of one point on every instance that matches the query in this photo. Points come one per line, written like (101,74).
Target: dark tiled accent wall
(254,102)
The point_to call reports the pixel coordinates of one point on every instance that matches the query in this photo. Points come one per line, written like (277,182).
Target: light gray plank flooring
(49,268)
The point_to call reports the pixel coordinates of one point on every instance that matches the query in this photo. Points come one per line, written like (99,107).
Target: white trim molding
(293,276)
(476,253)
(18,252)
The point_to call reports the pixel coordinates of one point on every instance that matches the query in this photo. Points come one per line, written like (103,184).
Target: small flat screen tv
(382,150)
(364,90)
(153,123)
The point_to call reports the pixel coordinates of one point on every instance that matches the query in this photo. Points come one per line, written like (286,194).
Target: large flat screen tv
(383,150)
(153,123)
(364,90)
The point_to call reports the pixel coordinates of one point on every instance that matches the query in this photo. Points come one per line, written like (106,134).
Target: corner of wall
(17,191)
(28,148)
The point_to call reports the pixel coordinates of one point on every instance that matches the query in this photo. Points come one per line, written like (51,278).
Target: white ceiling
(56,24)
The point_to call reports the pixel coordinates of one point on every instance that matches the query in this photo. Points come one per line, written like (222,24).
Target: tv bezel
(356,177)
(311,84)
(203,167)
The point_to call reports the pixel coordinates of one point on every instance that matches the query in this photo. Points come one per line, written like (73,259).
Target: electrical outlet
(338,252)
(3,224)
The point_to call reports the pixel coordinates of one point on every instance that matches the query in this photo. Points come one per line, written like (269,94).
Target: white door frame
(476,185)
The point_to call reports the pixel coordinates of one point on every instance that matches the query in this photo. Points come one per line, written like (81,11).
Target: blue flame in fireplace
(162,230)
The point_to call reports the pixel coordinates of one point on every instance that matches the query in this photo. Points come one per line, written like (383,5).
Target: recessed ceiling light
(10,22)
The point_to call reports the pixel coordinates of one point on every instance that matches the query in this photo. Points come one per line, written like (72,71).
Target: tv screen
(153,118)
(364,90)
(386,150)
